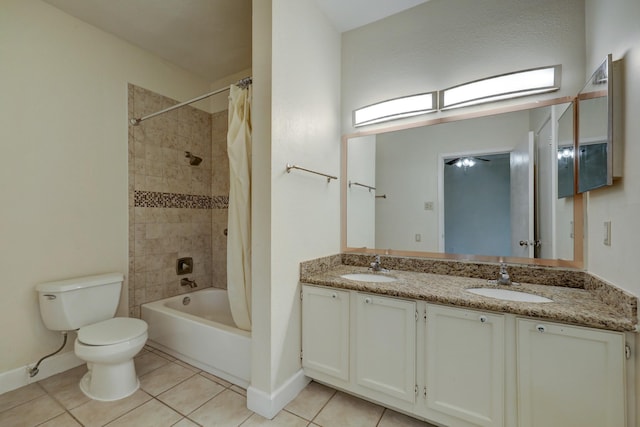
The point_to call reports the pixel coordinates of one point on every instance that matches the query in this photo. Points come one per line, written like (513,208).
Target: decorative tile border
(154,199)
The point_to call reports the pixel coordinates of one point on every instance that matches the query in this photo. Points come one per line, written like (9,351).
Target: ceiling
(349,14)
(211,38)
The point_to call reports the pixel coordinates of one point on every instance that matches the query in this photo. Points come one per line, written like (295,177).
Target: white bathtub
(201,333)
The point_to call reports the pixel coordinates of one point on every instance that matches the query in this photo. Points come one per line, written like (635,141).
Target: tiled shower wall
(175,209)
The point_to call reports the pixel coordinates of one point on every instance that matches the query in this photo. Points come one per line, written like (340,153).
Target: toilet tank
(69,304)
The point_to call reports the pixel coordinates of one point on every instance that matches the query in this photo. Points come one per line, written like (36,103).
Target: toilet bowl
(108,347)
(108,344)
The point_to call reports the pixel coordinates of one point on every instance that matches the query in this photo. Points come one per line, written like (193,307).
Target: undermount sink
(505,294)
(368,277)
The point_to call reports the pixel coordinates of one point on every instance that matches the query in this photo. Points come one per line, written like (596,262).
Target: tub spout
(190,283)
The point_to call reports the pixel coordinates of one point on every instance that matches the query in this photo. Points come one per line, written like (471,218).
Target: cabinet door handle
(540,328)
(483,319)
(368,300)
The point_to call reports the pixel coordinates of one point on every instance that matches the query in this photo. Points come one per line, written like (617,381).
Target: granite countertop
(570,305)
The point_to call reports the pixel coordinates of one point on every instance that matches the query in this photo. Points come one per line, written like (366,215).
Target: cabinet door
(325,331)
(465,364)
(385,345)
(569,376)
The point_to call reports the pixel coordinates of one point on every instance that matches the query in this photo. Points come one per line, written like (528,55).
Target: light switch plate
(607,233)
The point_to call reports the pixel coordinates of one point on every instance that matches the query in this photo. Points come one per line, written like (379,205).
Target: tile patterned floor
(173,393)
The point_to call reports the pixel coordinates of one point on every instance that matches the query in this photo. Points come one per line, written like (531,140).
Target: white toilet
(107,344)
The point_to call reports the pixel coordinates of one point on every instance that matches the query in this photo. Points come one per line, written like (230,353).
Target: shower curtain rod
(243,83)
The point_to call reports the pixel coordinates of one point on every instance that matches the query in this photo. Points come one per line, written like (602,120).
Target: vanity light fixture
(505,86)
(396,108)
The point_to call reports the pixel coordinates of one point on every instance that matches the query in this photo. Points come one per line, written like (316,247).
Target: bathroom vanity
(423,345)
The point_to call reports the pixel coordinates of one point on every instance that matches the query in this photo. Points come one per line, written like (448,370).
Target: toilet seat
(112,331)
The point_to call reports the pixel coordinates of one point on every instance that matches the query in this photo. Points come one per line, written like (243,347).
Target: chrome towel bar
(329,177)
(368,187)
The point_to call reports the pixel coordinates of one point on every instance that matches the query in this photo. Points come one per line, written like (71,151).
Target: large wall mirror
(483,188)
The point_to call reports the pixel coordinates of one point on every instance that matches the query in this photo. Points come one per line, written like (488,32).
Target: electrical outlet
(428,206)
(607,233)
(418,237)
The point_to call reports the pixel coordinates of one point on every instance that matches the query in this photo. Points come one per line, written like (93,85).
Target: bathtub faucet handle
(190,283)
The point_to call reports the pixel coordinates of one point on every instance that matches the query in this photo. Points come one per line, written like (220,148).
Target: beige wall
(63,158)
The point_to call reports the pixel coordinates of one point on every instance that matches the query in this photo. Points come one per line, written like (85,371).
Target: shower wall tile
(219,156)
(172,204)
(219,248)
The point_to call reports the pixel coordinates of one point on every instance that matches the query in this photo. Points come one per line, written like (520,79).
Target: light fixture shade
(505,86)
(396,108)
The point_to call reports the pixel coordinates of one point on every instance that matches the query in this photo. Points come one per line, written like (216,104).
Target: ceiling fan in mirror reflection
(465,162)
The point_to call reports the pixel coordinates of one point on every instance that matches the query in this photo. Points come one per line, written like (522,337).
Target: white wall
(443,43)
(63,159)
(261,197)
(615,30)
(298,212)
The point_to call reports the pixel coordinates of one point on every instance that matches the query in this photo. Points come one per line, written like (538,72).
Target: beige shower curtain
(239,221)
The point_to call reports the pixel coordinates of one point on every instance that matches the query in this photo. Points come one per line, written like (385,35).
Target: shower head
(193,160)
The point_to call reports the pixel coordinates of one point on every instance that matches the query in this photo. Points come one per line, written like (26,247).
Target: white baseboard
(19,377)
(269,404)
(205,367)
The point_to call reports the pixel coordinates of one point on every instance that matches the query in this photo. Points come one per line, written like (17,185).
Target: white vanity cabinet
(569,376)
(325,333)
(465,369)
(462,367)
(384,351)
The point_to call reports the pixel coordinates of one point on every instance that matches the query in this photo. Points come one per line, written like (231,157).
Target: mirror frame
(578,205)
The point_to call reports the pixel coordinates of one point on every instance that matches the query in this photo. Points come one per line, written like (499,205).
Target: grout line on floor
(381,416)
(324,406)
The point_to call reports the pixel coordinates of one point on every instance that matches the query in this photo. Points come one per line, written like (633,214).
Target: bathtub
(202,333)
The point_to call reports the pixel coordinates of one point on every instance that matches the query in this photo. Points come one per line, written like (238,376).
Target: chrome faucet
(376,266)
(503,276)
(190,283)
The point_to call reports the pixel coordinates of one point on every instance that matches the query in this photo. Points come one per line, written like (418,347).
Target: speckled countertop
(570,305)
